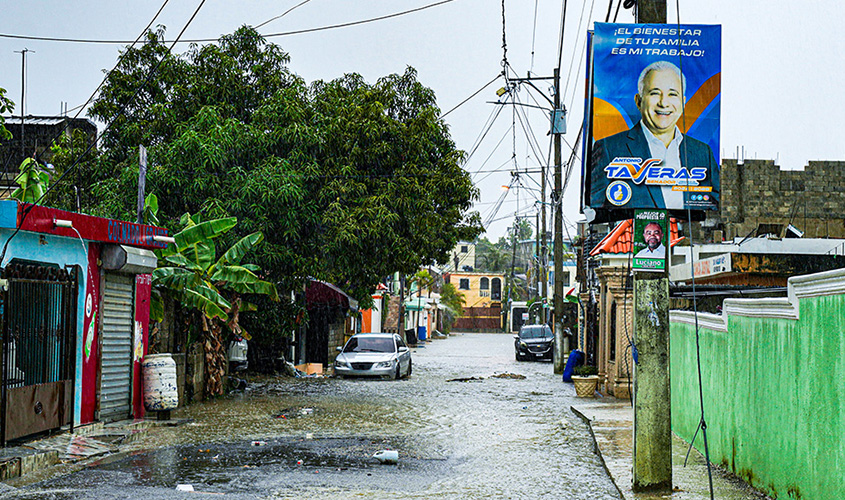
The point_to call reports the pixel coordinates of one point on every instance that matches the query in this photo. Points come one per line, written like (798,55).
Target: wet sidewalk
(611,423)
(66,447)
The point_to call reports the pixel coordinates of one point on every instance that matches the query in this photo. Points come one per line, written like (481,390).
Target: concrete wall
(774,397)
(759,192)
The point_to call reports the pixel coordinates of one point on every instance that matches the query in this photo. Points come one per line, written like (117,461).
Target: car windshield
(535,332)
(370,344)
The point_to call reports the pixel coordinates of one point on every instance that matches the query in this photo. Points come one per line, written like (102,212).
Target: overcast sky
(781,71)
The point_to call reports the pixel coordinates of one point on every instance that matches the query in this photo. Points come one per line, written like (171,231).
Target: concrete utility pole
(544,251)
(538,262)
(652,405)
(558,204)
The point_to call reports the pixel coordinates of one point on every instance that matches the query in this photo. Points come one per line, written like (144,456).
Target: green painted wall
(774,395)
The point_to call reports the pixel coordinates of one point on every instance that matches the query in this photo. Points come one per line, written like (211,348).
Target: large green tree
(349,181)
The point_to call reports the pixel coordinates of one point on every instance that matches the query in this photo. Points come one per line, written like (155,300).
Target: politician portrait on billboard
(655,117)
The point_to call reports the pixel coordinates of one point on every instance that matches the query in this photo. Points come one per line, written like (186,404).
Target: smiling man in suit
(656,144)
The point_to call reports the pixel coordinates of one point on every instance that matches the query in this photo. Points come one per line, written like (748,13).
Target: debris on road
(289,413)
(388,457)
(513,376)
(466,379)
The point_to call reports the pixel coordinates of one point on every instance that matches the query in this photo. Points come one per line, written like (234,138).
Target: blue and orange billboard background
(620,175)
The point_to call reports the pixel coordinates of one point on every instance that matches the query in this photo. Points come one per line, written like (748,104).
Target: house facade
(483,295)
(610,349)
(76,292)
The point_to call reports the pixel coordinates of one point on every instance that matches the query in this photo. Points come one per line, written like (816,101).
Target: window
(612,332)
(464,284)
(496,289)
(464,249)
(485,284)
(566,279)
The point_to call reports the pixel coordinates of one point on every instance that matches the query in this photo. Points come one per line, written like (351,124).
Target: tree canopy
(349,181)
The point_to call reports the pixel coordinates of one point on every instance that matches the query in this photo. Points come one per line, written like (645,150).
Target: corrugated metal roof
(43,120)
(620,240)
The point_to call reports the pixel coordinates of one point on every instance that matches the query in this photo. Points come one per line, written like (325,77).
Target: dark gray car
(534,342)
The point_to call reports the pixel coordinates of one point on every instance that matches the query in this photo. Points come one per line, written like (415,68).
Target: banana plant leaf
(180,260)
(259,287)
(156,306)
(209,307)
(234,274)
(202,232)
(176,278)
(239,249)
(202,255)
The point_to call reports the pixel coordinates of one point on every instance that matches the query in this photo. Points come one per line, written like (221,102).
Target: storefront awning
(322,293)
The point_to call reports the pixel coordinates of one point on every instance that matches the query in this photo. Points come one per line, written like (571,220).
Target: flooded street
(466,425)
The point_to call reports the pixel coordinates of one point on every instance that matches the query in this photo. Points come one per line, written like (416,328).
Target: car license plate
(538,354)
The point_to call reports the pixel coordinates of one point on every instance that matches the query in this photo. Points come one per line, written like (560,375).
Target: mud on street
(466,425)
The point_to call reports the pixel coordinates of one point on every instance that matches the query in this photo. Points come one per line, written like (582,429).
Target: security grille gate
(116,378)
(38,308)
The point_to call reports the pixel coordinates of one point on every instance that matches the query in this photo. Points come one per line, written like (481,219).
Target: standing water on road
(470,423)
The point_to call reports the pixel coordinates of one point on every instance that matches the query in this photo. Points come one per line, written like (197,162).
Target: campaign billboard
(653,118)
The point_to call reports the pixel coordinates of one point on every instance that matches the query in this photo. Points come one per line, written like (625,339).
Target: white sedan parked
(375,355)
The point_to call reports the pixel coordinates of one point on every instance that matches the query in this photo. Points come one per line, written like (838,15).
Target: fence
(38,305)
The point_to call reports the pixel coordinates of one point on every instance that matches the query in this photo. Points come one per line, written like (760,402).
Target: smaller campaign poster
(651,240)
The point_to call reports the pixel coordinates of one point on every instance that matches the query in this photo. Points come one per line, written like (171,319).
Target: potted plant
(585,378)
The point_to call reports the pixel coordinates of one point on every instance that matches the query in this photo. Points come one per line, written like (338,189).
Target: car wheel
(517,356)
(397,375)
(410,368)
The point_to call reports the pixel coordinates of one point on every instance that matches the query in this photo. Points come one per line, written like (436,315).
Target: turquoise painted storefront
(44,236)
(60,252)
(773,374)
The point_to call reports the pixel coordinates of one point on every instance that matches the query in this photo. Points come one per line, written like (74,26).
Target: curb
(597,450)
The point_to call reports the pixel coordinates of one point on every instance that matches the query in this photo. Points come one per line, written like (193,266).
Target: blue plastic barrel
(576,358)
(421,332)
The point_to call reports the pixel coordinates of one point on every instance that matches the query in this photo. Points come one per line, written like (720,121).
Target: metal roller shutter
(116,381)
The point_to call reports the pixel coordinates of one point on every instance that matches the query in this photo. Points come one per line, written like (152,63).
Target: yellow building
(483,295)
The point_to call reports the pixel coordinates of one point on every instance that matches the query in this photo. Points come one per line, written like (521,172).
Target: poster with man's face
(651,240)
(654,110)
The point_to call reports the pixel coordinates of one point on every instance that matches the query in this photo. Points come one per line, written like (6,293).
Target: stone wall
(759,192)
(194,374)
(392,320)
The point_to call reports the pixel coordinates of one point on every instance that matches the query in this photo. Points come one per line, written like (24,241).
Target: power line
(470,97)
(205,40)
(577,35)
(497,169)
(73,166)
(283,14)
(489,126)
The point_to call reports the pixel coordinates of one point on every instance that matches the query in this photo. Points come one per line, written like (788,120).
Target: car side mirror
(339,349)
(516,337)
(403,349)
